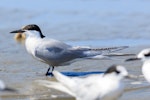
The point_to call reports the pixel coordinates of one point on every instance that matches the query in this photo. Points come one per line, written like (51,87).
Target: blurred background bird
(107,86)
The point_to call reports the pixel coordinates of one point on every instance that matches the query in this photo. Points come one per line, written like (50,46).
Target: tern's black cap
(111,69)
(29,27)
(33,27)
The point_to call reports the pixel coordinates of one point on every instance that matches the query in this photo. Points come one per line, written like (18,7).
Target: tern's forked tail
(55,85)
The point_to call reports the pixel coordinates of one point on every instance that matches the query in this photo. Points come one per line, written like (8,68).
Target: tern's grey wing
(104,51)
(109,49)
(55,56)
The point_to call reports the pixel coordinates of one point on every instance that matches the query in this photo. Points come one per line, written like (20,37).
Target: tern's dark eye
(147,55)
(117,71)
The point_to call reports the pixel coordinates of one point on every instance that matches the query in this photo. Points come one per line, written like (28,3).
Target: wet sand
(20,71)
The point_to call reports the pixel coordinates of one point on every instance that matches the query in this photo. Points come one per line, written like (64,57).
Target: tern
(106,86)
(56,53)
(144,55)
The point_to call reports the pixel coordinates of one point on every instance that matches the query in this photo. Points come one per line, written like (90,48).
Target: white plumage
(144,55)
(107,86)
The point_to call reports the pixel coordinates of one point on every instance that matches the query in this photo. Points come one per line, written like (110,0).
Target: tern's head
(118,71)
(30,30)
(143,55)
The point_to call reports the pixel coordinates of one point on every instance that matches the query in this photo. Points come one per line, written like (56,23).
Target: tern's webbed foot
(47,73)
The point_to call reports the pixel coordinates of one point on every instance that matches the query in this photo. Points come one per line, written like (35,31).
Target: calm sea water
(96,23)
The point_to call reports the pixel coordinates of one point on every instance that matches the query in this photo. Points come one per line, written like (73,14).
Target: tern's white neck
(31,43)
(112,85)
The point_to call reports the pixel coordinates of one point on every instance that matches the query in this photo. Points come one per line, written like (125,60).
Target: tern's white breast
(146,70)
(31,45)
(113,90)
